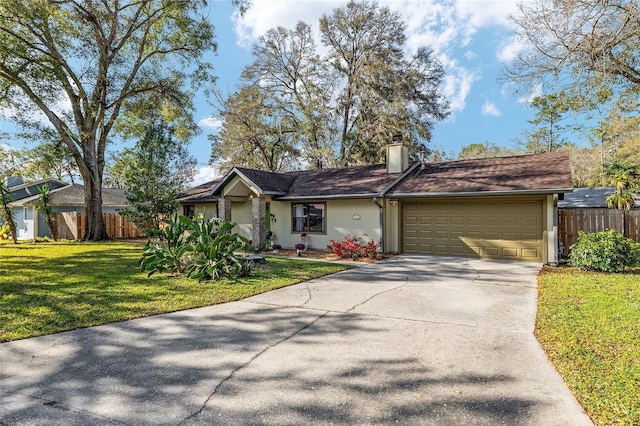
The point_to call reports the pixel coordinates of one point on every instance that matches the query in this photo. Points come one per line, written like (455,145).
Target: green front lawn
(50,287)
(589,325)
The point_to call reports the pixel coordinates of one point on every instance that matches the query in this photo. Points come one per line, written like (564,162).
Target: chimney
(397,156)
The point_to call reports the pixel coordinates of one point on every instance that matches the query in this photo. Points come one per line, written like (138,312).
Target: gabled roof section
(200,193)
(538,173)
(264,183)
(14,181)
(269,182)
(355,181)
(73,195)
(20,189)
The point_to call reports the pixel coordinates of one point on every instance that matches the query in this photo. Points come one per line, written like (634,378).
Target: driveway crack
(477,280)
(377,294)
(246,364)
(309,294)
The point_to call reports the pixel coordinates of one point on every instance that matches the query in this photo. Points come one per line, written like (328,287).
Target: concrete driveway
(412,340)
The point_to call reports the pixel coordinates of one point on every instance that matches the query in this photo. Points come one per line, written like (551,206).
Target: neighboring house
(70,198)
(497,208)
(199,201)
(26,216)
(589,198)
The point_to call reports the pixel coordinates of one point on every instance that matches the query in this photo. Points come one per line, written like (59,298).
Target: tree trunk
(94,227)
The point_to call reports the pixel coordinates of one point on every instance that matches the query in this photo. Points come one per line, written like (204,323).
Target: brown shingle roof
(269,182)
(73,195)
(538,172)
(542,173)
(346,181)
(200,193)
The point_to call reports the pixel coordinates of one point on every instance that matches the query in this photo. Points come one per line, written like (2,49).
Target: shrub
(5,232)
(607,251)
(214,248)
(200,249)
(353,248)
(168,254)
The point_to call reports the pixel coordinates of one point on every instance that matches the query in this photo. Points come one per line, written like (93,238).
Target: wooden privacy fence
(570,221)
(71,226)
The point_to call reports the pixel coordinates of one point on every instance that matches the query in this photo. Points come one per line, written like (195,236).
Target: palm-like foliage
(623,175)
(46,210)
(5,210)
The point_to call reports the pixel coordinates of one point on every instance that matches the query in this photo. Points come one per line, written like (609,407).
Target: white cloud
(444,25)
(489,108)
(508,49)
(484,13)
(211,122)
(204,174)
(457,85)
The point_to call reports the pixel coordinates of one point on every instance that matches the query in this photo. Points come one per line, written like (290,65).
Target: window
(309,217)
(189,210)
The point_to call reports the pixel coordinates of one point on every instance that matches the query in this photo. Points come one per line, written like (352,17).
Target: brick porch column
(258,233)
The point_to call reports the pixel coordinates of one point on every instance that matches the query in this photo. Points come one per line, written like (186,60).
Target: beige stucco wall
(241,215)
(208,210)
(343,217)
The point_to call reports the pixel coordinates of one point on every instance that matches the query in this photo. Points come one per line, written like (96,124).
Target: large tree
(484,150)
(258,132)
(85,63)
(576,42)
(551,111)
(288,68)
(336,109)
(153,173)
(382,93)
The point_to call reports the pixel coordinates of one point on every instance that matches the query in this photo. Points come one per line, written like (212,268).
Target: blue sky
(472,38)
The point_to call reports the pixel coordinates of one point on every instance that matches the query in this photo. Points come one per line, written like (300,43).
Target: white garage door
(506,229)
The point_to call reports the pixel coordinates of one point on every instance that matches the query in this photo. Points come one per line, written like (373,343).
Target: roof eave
(327,197)
(477,193)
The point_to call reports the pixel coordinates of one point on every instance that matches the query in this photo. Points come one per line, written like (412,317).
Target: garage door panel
(511,236)
(491,221)
(528,236)
(489,235)
(532,254)
(510,221)
(531,222)
(425,235)
(441,234)
(457,220)
(510,229)
(474,220)
(425,220)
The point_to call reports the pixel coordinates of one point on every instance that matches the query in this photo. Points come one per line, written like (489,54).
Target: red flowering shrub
(353,248)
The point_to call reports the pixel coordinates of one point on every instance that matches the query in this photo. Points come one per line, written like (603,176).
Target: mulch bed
(325,255)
